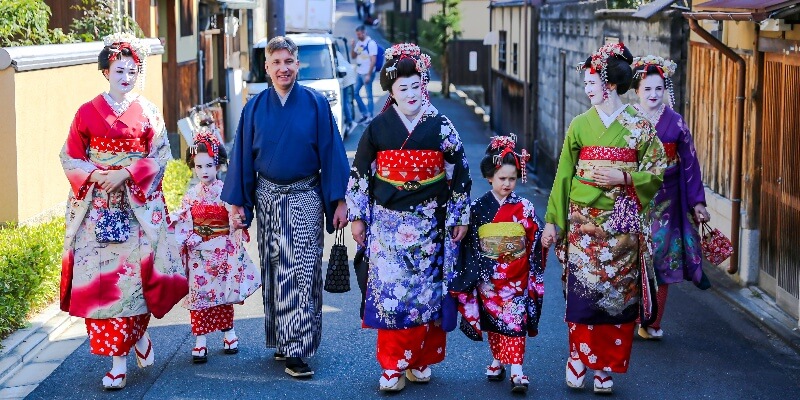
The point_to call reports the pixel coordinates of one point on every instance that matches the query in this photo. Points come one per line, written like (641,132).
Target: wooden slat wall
(711,118)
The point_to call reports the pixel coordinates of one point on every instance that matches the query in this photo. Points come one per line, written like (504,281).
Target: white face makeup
(282,68)
(122,75)
(593,87)
(407,92)
(504,181)
(205,168)
(651,92)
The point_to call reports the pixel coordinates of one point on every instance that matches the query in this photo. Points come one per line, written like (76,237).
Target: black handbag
(337,280)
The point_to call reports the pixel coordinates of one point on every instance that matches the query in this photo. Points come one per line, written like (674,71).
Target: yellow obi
(504,241)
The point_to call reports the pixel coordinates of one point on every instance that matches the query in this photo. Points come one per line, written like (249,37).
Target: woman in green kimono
(611,166)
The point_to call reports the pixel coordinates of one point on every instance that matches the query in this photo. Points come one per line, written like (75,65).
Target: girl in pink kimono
(220,271)
(118,266)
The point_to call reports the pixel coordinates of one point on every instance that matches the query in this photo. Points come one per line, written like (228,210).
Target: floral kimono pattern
(143,274)
(220,271)
(408,237)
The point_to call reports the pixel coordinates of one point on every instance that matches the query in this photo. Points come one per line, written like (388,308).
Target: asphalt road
(711,349)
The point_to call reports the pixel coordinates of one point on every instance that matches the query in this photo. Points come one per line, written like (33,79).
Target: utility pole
(276,24)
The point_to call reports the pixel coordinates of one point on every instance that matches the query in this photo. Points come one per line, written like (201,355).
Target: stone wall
(577,29)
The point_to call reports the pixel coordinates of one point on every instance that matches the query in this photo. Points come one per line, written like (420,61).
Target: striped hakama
(290,242)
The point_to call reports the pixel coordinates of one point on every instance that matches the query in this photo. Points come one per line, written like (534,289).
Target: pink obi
(210,220)
(410,169)
(112,145)
(593,157)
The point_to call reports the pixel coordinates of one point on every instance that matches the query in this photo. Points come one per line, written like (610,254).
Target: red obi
(410,169)
(210,221)
(625,154)
(112,145)
(672,150)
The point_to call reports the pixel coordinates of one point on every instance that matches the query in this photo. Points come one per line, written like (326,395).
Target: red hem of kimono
(507,349)
(400,349)
(211,319)
(115,336)
(602,347)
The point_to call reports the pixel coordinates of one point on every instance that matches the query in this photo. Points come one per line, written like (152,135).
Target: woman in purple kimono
(680,203)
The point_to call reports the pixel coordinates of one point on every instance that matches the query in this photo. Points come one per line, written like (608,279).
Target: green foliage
(24,23)
(444,27)
(99,19)
(30,270)
(30,258)
(625,4)
(176,179)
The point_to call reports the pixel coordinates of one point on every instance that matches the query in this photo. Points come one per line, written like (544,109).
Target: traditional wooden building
(744,111)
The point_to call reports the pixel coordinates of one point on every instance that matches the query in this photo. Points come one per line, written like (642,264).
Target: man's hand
(459,232)
(238,217)
(359,229)
(340,215)
(111,180)
(367,78)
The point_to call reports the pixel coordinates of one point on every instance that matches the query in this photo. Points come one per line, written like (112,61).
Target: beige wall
(8,162)
(474,17)
(512,20)
(186,45)
(44,104)
(741,35)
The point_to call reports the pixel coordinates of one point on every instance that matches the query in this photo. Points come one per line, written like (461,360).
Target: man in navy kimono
(288,162)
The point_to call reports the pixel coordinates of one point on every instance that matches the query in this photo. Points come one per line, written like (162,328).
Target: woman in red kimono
(118,266)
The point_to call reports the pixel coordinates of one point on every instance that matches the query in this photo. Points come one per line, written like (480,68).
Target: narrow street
(711,349)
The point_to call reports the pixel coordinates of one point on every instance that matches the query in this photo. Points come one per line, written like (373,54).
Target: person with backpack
(369,58)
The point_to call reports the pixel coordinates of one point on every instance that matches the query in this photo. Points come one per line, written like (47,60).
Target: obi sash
(410,169)
(112,145)
(672,152)
(210,221)
(592,157)
(503,241)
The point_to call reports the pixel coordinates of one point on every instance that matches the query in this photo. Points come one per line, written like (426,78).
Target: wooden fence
(458,52)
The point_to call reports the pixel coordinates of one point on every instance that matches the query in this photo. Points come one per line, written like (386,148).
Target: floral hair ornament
(206,137)
(116,42)
(508,144)
(666,69)
(400,51)
(599,62)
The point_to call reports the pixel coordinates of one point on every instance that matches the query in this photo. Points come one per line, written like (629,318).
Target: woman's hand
(111,180)
(605,176)
(548,235)
(238,217)
(459,232)
(701,214)
(359,229)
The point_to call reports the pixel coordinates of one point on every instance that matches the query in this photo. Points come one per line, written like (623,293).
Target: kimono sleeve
(558,203)
(358,186)
(74,158)
(240,182)
(458,175)
(183,224)
(332,160)
(652,162)
(146,173)
(470,263)
(695,194)
(536,265)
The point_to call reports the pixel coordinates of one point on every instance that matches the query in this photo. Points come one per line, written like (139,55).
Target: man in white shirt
(365,52)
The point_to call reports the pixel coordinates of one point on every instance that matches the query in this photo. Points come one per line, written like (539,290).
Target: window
(514,57)
(501,48)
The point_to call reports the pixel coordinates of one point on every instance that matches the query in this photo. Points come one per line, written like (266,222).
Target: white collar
(410,125)
(609,119)
(119,108)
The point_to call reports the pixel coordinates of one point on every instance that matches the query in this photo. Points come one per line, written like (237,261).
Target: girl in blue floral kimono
(408,198)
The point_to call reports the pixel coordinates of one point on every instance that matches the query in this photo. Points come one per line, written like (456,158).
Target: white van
(324,66)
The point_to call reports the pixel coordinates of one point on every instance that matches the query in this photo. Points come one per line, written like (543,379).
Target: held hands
(701,214)
(548,235)
(605,176)
(238,217)
(111,180)
(459,232)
